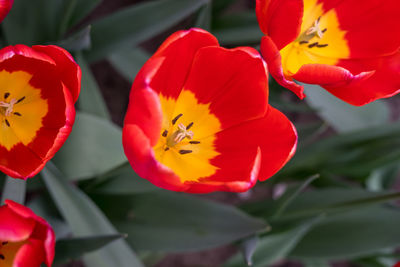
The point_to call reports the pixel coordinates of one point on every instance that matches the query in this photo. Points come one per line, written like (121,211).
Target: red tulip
(350,48)
(39,87)
(397,264)
(26,240)
(199,120)
(5,6)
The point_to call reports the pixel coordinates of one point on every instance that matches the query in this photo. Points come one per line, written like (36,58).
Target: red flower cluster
(26,240)
(352,49)
(199,119)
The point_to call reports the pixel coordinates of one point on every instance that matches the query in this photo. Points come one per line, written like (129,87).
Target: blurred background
(335,204)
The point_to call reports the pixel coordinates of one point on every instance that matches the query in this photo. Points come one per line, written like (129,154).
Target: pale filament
(316,29)
(9,106)
(182,133)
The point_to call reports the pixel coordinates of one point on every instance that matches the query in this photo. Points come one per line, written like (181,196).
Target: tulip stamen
(185,151)
(165,133)
(194,142)
(2,257)
(303,42)
(6,95)
(176,119)
(316,29)
(8,106)
(180,134)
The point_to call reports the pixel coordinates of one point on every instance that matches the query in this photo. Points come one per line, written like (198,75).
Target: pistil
(8,106)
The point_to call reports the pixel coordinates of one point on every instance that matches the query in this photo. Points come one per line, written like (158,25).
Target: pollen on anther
(7,122)
(194,142)
(324,30)
(6,95)
(185,151)
(17,114)
(165,133)
(321,45)
(4,243)
(312,45)
(166,149)
(303,42)
(2,257)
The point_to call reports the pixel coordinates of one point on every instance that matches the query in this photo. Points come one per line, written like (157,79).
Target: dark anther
(17,113)
(2,257)
(319,18)
(4,243)
(303,42)
(8,123)
(6,95)
(20,100)
(194,142)
(176,118)
(324,30)
(189,126)
(185,152)
(166,149)
(165,133)
(321,45)
(312,45)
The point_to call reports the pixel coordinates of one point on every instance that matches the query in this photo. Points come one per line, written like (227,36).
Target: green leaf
(204,17)
(166,221)
(342,116)
(73,248)
(93,148)
(239,35)
(352,234)
(77,42)
(129,62)
(120,181)
(275,246)
(74,11)
(292,194)
(14,189)
(85,218)
(91,100)
(133,25)
(33,22)
(248,248)
(335,200)
(354,154)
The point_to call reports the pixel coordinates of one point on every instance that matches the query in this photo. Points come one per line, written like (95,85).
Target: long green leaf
(93,148)
(133,25)
(91,100)
(345,117)
(166,221)
(14,189)
(352,234)
(85,218)
(275,246)
(73,248)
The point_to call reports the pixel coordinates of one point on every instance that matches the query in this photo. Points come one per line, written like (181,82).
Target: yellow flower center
(321,41)
(21,109)
(186,143)
(8,250)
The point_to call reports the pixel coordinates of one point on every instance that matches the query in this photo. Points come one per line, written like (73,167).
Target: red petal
(234,82)
(5,7)
(42,230)
(31,254)
(245,177)
(384,83)
(178,52)
(280,19)
(67,68)
(373,27)
(328,76)
(144,110)
(14,227)
(141,157)
(274,134)
(274,61)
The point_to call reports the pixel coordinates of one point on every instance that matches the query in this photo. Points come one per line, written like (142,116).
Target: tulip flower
(26,240)
(5,6)
(39,87)
(350,48)
(199,120)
